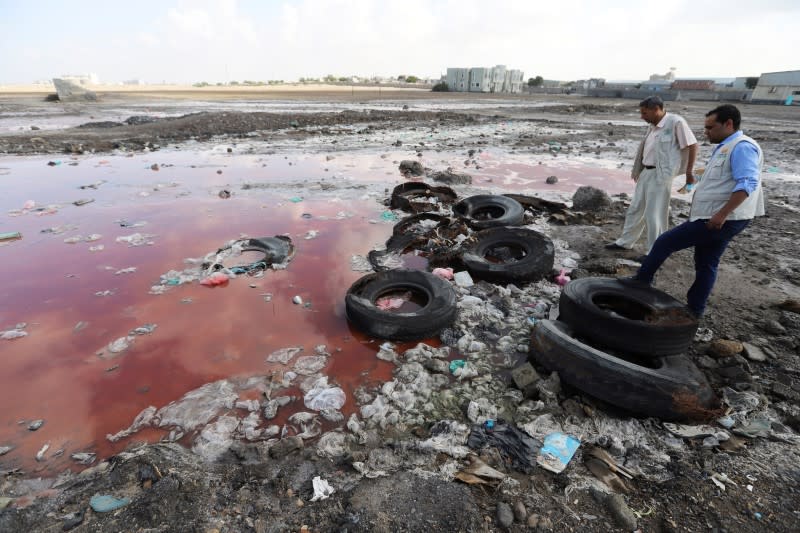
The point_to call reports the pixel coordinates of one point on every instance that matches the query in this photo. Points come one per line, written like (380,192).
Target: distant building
(458,79)
(669,76)
(497,79)
(778,87)
(656,85)
(693,85)
(81,79)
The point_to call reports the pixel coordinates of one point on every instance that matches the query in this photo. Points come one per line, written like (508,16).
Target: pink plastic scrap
(444,273)
(30,204)
(562,279)
(387,303)
(217,278)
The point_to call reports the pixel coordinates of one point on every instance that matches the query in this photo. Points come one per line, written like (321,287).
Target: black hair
(725,112)
(652,102)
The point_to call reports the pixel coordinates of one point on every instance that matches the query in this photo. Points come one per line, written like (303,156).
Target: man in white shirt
(668,149)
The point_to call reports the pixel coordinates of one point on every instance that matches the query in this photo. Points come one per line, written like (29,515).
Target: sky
(224,40)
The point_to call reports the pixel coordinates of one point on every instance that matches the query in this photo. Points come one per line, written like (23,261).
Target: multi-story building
(497,79)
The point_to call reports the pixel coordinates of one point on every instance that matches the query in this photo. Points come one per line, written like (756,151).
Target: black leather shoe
(633,281)
(614,246)
(640,259)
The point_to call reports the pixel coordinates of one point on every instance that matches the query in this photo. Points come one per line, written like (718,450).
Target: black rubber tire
(509,212)
(675,390)
(537,262)
(276,249)
(579,308)
(537,204)
(404,195)
(438,313)
(403,227)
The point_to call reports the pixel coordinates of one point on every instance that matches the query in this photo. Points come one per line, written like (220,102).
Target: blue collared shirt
(744,164)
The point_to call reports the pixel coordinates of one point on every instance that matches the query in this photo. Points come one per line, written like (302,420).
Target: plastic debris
(694,432)
(455,364)
(295,199)
(284,355)
(322,489)
(103,503)
(557,452)
(120,345)
(389,216)
(146,329)
(98,248)
(387,303)
(463,279)
(444,273)
(83,201)
(42,451)
(36,424)
(321,396)
(297,300)
(10,236)
(129,270)
(722,480)
(84,458)
(514,445)
(311,234)
(703,335)
(136,239)
(12,334)
(215,279)
(562,279)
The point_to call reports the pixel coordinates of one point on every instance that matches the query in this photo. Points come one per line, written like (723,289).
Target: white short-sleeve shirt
(682,130)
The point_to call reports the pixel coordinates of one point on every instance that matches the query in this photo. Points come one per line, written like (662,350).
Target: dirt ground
(260,487)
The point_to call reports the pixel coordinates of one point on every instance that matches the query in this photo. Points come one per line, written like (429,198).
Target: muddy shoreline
(394,471)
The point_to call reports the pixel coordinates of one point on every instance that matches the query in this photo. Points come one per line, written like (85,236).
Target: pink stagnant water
(55,374)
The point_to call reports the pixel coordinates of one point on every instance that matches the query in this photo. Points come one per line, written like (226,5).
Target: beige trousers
(649,209)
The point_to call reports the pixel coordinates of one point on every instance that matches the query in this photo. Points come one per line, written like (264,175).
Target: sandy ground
(257,489)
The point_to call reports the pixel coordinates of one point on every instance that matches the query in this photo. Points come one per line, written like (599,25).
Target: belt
(649,167)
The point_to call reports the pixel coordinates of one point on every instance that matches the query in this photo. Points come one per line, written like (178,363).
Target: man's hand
(716,221)
(690,179)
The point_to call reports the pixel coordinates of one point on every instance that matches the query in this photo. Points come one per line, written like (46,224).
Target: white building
(497,79)
(458,79)
(778,87)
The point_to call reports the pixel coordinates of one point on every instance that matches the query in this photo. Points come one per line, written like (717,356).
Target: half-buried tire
(638,320)
(489,211)
(671,388)
(430,307)
(508,255)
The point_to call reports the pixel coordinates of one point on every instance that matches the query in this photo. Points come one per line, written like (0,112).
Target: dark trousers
(709,245)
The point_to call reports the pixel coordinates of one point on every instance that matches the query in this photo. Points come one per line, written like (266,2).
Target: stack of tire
(626,345)
(526,256)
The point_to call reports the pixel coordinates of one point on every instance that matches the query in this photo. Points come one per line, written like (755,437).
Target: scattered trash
(694,432)
(146,329)
(36,424)
(284,355)
(84,458)
(94,185)
(215,279)
(463,279)
(98,248)
(5,449)
(129,270)
(322,397)
(322,489)
(703,335)
(102,503)
(387,303)
(557,452)
(479,472)
(605,468)
(562,279)
(54,163)
(104,293)
(773,170)
(513,444)
(10,236)
(120,345)
(311,234)
(444,273)
(136,239)
(720,480)
(224,194)
(83,201)
(295,199)
(12,334)
(42,451)
(297,300)
(389,216)
(455,364)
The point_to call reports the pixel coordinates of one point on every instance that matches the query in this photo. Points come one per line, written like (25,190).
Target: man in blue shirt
(727,198)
